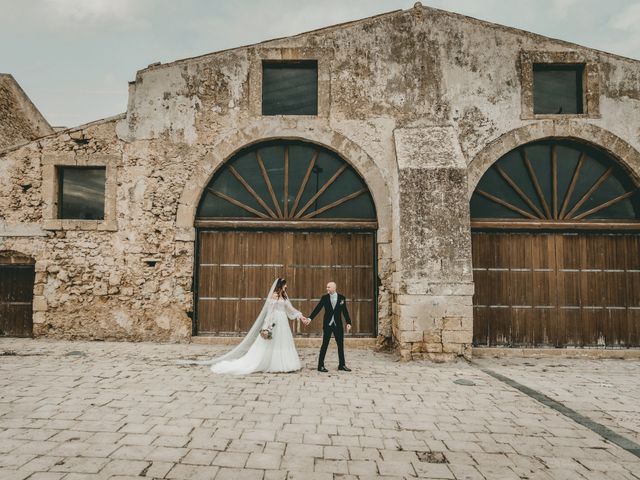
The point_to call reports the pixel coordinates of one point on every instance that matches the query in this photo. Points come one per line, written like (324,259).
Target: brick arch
(348,150)
(627,156)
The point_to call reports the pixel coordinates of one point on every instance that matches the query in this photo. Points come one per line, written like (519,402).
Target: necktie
(334,299)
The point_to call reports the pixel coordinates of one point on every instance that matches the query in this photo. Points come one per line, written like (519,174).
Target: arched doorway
(556,249)
(17,274)
(284,208)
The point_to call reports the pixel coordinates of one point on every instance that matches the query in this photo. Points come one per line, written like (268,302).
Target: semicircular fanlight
(287,180)
(556,181)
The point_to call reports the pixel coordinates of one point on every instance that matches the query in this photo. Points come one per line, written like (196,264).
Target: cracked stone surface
(127,410)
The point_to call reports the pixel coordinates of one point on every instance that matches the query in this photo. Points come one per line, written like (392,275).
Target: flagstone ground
(96,410)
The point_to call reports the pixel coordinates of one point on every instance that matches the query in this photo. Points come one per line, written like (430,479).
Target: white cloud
(627,20)
(95,11)
(561,8)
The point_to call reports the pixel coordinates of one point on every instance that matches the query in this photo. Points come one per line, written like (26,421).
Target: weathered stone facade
(20,120)
(420,102)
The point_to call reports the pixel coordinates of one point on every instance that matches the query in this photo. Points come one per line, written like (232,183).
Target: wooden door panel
(583,289)
(546,327)
(500,326)
(520,328)
(481,320)
(615,326)
(238,267)
(16,300)
(633,326)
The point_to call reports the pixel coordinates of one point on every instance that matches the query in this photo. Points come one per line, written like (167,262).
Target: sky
(74,58)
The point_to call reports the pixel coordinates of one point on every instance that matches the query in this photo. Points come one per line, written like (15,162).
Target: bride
(269,346)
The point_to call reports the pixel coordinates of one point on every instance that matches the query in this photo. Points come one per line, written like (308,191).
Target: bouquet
(267,333)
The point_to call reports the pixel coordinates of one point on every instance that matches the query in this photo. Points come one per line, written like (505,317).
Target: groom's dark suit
(336,329)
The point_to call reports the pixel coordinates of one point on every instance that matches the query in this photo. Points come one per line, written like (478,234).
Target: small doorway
(17,274)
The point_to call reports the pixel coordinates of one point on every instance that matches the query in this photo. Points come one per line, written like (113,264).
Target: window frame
(60,179)
(590,82)
(51,163)
(578,69)
(323,56)
(302,64)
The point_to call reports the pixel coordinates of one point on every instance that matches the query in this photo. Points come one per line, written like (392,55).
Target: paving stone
(80,465)
(199,457)
(433,470)
(125,467)
(133,452)
(399,469)
(41,464)
(239,474)
(159,469)
(132,410)
(264,461)
(192,472)
(362,467)
(47,476)
(337,467)
(137,439)
(230,459)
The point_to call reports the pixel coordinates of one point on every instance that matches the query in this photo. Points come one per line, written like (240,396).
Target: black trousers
(338,333)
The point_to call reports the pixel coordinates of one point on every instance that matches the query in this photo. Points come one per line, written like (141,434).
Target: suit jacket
(340,310)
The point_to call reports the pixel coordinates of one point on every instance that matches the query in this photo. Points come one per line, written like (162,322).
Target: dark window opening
(557,89)
(81,193)
(290,88)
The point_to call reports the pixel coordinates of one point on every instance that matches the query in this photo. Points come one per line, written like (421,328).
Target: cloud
(560,8)
(96,12)
(627,20)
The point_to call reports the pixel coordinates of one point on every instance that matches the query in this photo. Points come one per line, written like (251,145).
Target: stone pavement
(94,410)
(607,391)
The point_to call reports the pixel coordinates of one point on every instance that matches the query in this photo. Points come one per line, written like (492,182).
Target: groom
(335,306)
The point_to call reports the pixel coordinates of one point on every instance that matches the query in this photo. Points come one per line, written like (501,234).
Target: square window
(81,193)
(290,88)
(557,89)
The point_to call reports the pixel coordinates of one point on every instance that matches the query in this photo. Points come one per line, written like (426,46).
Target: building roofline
(93,123)
(417,7)
(158,65)
(27,105)
(499,26)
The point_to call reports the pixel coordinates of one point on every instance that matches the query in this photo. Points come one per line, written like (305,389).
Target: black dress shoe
(344,368)
(322,369)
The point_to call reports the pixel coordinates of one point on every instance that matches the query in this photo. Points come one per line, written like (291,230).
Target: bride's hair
(279,286)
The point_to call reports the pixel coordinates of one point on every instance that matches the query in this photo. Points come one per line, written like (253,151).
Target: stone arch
(13,257)
(627,156)
(324,137)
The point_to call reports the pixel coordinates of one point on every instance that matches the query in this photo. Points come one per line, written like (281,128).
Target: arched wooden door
(556,249)
(284,209)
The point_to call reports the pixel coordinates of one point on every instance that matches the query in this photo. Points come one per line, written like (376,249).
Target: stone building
(401,155)
(20,120)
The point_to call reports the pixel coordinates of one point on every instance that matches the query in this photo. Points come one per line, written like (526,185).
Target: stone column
(433,310)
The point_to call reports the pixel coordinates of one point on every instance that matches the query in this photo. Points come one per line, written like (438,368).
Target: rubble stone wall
(420,102)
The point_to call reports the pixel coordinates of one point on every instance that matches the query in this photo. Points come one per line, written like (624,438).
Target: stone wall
(20,119)
(433,311)
(132,282)
(420,102)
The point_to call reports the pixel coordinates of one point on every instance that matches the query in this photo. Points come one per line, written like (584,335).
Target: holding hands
(305,320)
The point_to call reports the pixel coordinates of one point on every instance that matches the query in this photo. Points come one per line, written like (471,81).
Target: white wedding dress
(278,354)
(254,353)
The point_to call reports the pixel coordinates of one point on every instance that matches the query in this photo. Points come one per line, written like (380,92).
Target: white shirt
(334,300)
